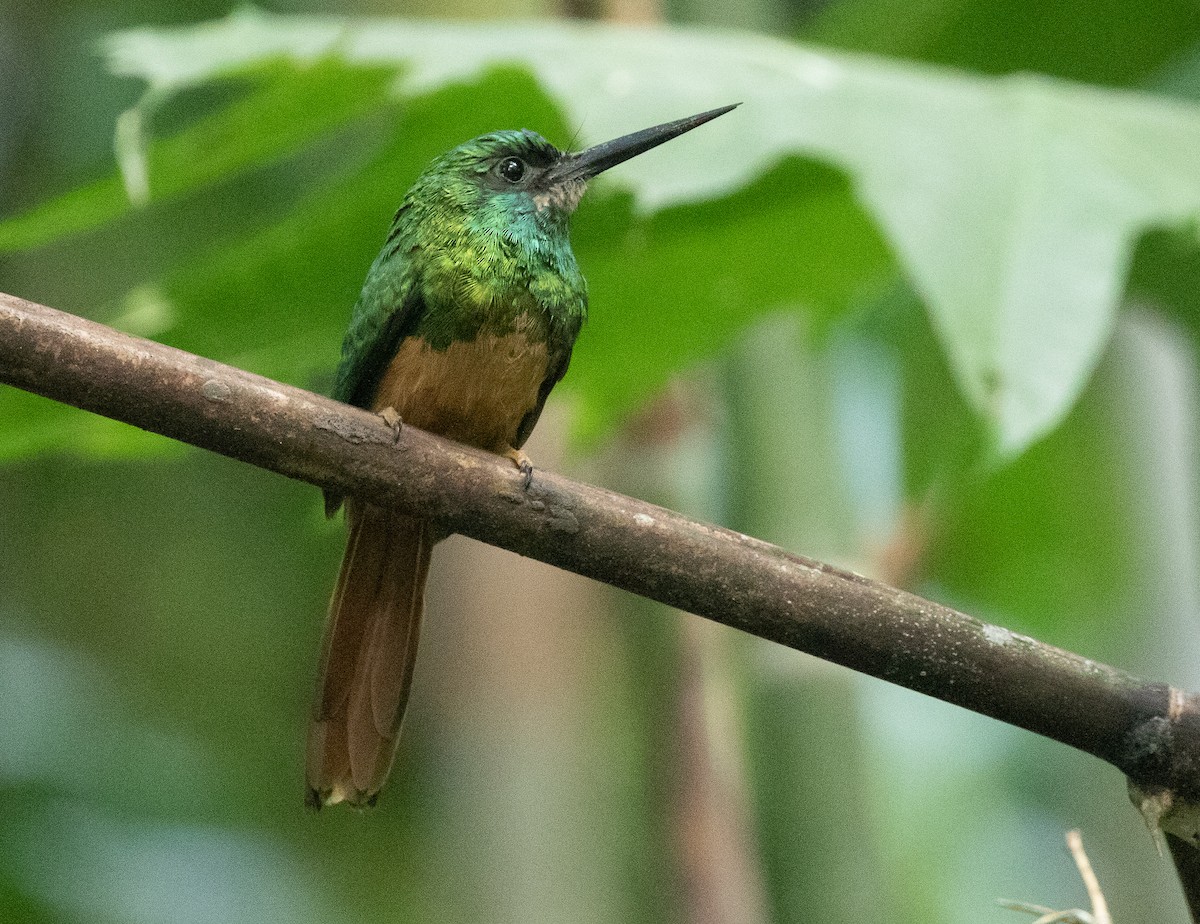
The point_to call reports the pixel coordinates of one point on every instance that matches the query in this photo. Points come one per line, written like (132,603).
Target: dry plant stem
(1088,875)
(1099,913)
(713,572)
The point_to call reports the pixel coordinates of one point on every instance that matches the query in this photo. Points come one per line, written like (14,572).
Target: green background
(827,335)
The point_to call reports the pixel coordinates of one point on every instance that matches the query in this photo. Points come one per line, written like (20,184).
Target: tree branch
(1148,731)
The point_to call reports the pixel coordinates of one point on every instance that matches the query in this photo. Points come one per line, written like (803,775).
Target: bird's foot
(390,417)
(524,466)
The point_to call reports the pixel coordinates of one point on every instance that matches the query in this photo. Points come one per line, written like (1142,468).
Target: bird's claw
(524,466)
(390,417)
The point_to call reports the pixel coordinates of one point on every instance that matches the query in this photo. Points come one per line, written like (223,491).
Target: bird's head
(521,172)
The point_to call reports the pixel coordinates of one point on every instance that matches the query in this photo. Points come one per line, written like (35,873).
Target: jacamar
(465,323)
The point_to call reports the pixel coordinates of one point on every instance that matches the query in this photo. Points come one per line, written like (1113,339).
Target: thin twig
(1099,913)
(1090,882)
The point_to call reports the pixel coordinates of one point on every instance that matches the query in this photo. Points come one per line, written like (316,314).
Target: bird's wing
(387,310)
(557,370)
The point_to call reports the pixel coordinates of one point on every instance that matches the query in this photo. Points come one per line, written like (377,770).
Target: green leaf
(667,290)
(672,289)
(286,109)
(1072,40)
(1011,204)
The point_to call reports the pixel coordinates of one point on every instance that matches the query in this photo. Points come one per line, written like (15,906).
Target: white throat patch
(564,196)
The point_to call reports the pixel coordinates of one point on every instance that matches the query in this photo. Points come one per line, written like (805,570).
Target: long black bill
(597,159)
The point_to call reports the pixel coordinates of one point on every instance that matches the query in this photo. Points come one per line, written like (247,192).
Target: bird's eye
(512,169)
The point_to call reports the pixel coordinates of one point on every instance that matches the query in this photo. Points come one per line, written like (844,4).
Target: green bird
(465,323)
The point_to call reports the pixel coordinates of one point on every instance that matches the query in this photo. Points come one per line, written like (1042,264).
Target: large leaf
(287,109)
(1074,40)
(1011,203)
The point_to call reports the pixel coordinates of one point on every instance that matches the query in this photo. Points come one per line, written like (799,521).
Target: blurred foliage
(901,284)
(1103,42)
(997,197)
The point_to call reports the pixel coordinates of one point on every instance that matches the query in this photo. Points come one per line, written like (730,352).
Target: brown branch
(1146,730)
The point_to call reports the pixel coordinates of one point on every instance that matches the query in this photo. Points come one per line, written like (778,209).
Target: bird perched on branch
(465,323)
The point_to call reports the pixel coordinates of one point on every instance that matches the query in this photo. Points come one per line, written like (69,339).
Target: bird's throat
(563,196)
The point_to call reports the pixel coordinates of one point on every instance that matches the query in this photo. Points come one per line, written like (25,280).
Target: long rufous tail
(367,655)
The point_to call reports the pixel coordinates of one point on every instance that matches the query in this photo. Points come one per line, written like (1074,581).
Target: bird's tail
(367,655)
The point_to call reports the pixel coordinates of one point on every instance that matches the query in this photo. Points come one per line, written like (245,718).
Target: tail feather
(367,656)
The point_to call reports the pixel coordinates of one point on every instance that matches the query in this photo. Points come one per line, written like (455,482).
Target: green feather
(468,254)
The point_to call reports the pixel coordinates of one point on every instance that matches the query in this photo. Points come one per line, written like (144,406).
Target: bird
(466,321)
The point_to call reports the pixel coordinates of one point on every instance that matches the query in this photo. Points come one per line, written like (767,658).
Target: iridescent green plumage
(464,256)
(465,323)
